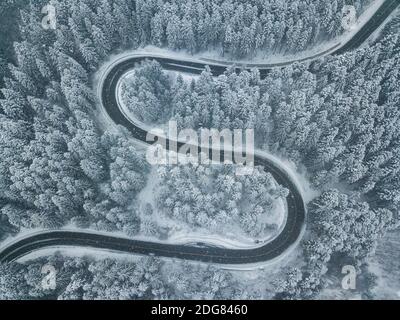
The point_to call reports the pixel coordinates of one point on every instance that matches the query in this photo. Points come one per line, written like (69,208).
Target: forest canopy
(336,118)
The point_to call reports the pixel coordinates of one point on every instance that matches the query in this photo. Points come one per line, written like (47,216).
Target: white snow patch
(187,77)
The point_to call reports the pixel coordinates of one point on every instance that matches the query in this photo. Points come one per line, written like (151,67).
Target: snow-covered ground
(378,31)
(300,179)
(152,50)
(180,233)
(253,271)
(327,47)
(308,193)
(100,254)
(183,236)
(232,237)
(80,252)
(188,77)
(267,57)
(386,265)
(129,113)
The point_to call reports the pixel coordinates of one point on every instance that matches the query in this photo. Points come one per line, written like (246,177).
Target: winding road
(295,222)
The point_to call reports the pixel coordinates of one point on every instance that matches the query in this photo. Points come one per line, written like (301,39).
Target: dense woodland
(336,118)
(215,198)
(57,167)
(241,28)
(110,279)
(146,93)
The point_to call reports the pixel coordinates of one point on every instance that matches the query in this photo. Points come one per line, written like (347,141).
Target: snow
(294,173)
(100,254)
(325,47)
(188,77)
(129,114)
(386,265)
(23,233)
(183,55)
(378,31)
(266,57)
(243,272)
(154,51)
(181,233)
(300,179)
(183,236)
(126,110)
(308,193)
(363,19)
(80,252)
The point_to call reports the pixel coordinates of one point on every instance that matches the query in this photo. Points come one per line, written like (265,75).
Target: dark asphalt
(296,208)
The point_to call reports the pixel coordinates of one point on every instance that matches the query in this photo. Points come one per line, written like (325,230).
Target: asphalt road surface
(295,204)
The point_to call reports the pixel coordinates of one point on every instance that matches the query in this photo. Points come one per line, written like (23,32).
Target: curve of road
(295,204)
